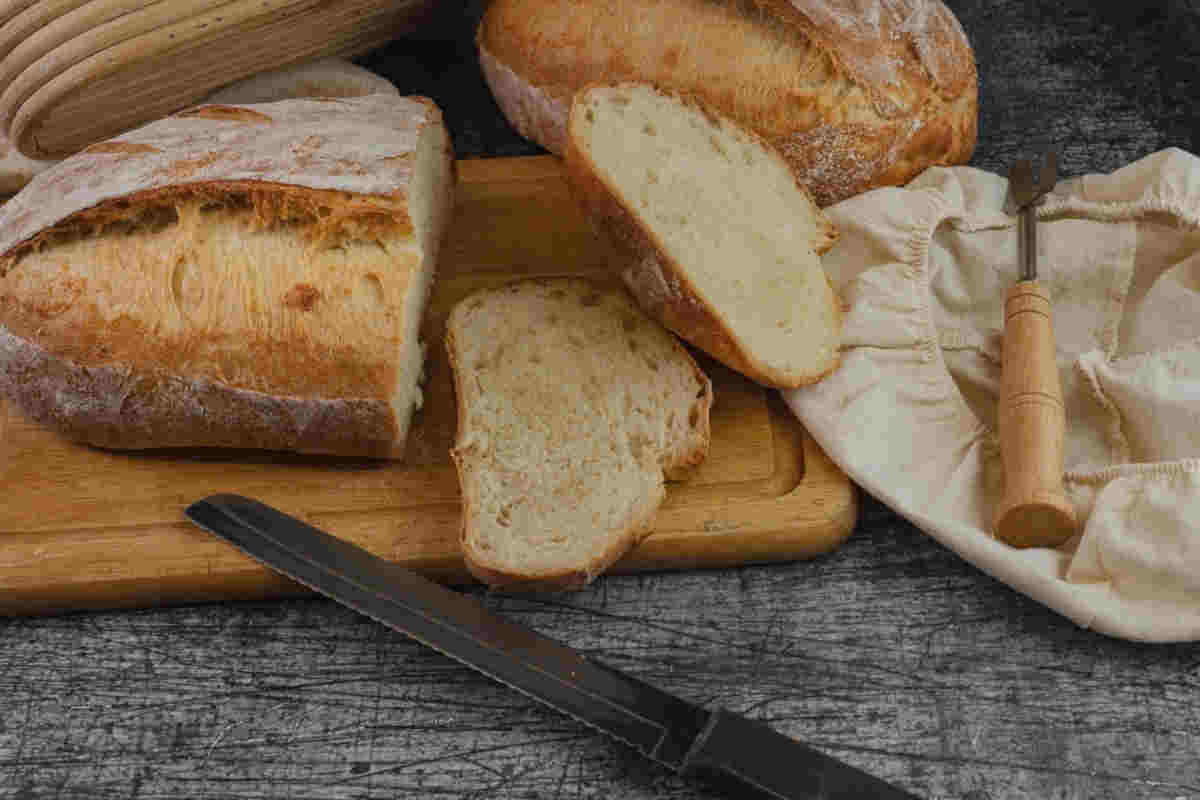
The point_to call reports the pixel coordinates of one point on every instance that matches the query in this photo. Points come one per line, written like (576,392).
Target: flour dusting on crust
(879,25)
(532,111)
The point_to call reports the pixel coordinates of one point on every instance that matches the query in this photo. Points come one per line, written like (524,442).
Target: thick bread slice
(855,93)
(723,242)
(235,276)
(572,405)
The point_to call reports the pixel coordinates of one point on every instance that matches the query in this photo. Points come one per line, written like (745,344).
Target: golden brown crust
(356,148)
(67,325)
(114,406)
(329,77)
(323,217)
(325,77)
(856,95)
(892,49)
(678,465)
(126,379)
(658,282)
(538,113)
(685,462)
(552,580)
(565,580)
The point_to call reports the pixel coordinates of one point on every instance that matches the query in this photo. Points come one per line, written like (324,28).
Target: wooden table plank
(891,652)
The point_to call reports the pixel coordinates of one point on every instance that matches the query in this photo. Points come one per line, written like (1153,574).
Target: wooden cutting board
(83,528)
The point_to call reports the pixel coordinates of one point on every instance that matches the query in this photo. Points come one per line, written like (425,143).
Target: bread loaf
(16,168)
(81,79)
(233,276)
(855,93)
(722,242)
(572,405)
(325,77)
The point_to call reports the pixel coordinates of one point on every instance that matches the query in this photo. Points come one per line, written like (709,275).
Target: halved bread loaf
(855,93)
(234,276)
(723,242)
(572,405)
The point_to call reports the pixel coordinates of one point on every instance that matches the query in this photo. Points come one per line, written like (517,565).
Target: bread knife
(744,757)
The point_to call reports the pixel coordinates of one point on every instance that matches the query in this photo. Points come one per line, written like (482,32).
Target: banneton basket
(74,74)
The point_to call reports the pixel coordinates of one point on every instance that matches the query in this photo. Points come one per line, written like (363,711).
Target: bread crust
(328,77)
(325,77)
(113,384)
(539,113)
(659,283)
(114,406)
(861,94)
(359,146)
(677,465)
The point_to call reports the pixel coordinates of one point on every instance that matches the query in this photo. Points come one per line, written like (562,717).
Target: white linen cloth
(910,414)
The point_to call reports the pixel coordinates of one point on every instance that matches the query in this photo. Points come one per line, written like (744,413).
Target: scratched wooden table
(891,653)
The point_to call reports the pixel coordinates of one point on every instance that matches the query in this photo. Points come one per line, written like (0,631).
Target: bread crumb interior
(575,404)
(725,209)
(249,288)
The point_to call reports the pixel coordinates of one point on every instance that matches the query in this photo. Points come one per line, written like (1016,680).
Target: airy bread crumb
(572,406)
(856,94)
(724,243)
(231,276)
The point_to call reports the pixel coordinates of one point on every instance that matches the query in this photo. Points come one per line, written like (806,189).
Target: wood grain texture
(891,652)
(115,76)
(74,514)
(1034,511)
(887,654)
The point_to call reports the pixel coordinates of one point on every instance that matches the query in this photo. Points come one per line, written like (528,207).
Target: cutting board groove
(83,528)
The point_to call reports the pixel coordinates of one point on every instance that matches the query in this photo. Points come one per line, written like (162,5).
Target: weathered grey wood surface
(891,653)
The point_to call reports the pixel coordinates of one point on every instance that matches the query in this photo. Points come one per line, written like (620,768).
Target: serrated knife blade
(747,757)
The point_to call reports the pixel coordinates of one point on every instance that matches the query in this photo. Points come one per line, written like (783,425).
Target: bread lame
(1034,510)
(744,757)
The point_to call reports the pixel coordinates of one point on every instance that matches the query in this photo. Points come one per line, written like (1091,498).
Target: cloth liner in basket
(911,413)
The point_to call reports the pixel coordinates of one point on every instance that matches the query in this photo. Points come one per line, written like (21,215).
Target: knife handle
(1034,510)
(750,759)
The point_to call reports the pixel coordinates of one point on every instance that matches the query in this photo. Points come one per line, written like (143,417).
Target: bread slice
(231,276)
(724,244)
(855,93)
(572,405)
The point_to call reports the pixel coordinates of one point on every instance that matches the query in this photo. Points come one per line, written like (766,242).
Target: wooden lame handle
(1034,511)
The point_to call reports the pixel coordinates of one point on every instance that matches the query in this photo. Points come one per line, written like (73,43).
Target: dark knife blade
(725,747)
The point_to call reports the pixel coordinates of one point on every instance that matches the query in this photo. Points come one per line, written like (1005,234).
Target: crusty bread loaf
(16,168)
(235,276)
(723,242)
(572,405)
(324,77)
(89,75)
(855,93)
